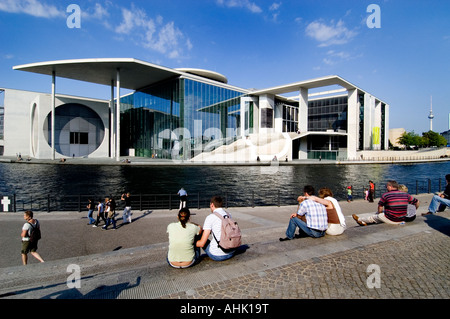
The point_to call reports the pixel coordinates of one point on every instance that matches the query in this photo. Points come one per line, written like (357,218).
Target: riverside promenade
(378,261)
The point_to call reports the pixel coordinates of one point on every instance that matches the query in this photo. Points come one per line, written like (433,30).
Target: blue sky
(255,43)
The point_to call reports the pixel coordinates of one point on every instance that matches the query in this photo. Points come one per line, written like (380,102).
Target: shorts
(28,247)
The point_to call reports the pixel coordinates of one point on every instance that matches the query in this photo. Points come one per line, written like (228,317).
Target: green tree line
(428,139)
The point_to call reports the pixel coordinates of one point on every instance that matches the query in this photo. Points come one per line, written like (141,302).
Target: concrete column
(118,118)
(386,127)
(376,129)
(53,113)
(112,141)
(303,110)
(352,123)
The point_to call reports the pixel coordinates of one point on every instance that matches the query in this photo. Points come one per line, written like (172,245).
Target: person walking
(90,207)
(110,213)
(31,233)
(100,213)
(127,210)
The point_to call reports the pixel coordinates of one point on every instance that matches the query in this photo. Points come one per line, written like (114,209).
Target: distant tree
(431,138)
(410,139)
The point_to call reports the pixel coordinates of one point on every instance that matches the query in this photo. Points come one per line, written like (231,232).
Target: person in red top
(392,207)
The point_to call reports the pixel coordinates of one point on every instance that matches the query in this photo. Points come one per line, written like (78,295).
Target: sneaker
(103,228)
(284,239)
(94,225)
(427,213)
(356,218)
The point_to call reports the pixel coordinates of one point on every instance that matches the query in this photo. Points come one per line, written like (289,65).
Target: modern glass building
(177,119)
(191,115)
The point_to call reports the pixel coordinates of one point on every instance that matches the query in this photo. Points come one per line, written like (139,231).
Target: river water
(242,185)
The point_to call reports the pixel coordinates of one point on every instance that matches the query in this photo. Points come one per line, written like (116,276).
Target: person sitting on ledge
(440,201)
(336,220)
(395,205)
(311,217)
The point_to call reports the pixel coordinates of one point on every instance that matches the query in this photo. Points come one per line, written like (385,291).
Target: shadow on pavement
(438,223)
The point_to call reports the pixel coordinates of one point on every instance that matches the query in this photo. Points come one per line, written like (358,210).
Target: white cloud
(335,57)
(332,34)
(274,9)
(275,6)
(134,23)
(253,7)
(99,12)
(153,34)
(34,8)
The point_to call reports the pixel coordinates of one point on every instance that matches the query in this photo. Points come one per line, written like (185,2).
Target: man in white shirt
(214,224)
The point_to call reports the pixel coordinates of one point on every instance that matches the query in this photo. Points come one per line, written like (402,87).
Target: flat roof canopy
(309,84)
(134,74)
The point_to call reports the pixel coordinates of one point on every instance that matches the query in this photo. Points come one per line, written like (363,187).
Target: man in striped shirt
(392,207)
(311,218)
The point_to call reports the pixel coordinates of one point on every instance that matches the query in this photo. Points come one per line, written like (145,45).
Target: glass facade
(383,126)
(289,115)
(328,114)
(361,122)
(179,119)
(2,112)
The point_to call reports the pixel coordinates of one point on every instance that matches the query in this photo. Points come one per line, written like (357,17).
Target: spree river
(242,185)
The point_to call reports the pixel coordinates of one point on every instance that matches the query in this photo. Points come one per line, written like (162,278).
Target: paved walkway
(378,261)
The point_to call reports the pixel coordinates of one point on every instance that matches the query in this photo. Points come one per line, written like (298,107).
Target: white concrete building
(189,114)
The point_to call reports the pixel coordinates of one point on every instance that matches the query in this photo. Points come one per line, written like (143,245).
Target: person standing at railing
(440,201)
(183,197)
(371,191)
(127,210)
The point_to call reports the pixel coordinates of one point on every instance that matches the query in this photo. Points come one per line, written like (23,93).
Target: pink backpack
(230,237)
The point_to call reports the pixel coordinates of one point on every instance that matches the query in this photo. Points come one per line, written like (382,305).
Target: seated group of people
(186,238)
(315,217)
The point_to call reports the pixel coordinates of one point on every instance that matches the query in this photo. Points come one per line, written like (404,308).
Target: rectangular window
(79,138)
(266,118)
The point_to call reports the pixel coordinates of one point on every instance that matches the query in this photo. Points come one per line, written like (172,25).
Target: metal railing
(250,198)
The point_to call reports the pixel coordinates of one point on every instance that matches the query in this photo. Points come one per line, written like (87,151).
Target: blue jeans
(218,258)
(436,202)
(91,220)
(109,221)
(297,222)
(127,215)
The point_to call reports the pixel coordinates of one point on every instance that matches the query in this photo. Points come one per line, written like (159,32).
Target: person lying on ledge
(311,217)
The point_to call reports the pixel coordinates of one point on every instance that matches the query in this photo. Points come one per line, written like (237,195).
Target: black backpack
(35,233)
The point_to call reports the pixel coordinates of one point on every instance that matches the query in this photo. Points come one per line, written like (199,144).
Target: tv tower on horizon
(431,116)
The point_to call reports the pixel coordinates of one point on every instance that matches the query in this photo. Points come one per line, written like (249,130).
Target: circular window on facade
(79,130)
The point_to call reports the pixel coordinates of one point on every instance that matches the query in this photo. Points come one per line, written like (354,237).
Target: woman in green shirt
(182,234)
